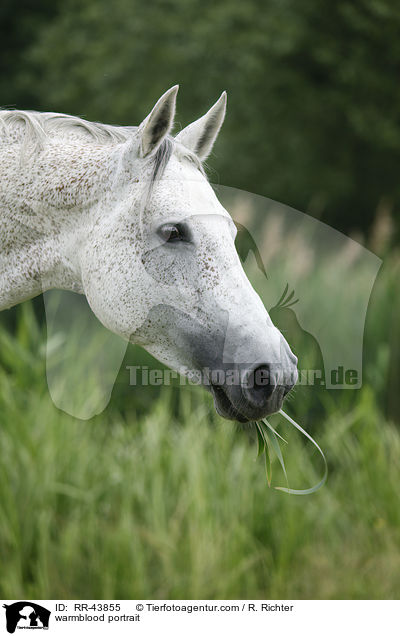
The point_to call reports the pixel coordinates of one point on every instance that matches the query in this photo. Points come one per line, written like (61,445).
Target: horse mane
(40,126)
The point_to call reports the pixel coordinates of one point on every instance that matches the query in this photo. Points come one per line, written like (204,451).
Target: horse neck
(44,203)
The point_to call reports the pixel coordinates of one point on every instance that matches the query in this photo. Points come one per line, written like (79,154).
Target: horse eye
(171,233)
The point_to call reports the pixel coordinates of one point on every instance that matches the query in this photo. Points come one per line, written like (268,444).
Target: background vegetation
(314,91)
(157,497)
(165,500)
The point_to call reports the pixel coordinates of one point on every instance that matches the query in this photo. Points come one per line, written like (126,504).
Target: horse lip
(224,406)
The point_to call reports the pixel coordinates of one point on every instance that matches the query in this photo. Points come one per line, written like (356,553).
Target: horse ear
(200,136)
(158,123)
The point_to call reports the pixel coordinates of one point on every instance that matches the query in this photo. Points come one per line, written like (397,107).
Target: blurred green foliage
(172,504)
(314,91)
(157,497)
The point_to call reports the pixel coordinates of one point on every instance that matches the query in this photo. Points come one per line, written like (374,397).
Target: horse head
(159,267)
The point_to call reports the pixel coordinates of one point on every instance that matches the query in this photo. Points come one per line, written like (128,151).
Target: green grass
(172,503)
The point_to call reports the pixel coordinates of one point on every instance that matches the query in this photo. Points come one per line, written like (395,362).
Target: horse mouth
(224,406)
(241,409)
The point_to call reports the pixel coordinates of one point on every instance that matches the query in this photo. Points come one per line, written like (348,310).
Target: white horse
(126,216)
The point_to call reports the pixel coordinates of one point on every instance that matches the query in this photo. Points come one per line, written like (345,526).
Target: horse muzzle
(259,393)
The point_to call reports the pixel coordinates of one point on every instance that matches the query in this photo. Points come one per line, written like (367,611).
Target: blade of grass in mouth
(263,447)
(267,439)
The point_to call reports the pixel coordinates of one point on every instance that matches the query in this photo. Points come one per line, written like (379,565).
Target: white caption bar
(182,617)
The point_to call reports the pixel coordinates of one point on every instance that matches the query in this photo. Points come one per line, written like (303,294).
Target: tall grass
(172,503)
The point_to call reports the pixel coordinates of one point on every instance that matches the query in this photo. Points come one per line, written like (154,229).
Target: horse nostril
(261,382)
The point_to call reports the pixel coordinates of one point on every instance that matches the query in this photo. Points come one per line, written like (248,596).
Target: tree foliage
(313,88)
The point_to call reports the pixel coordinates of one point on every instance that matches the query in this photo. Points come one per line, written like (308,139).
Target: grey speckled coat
(126,216)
